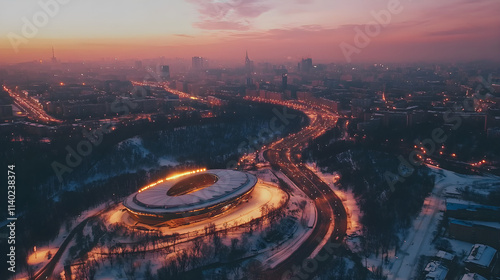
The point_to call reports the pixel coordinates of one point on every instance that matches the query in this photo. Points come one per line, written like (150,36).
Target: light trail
(171,178)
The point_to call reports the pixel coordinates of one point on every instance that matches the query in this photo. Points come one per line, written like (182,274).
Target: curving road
(47,271)
(285,155)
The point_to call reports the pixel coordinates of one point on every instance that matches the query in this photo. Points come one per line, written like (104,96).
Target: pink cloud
(228,15)
(221,25)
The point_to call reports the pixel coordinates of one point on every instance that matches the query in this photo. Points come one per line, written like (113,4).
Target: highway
(33,111)
(285,154)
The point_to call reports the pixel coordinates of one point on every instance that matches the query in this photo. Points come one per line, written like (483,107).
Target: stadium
(190,197)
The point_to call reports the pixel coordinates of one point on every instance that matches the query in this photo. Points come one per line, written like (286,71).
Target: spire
(53,55)
(248,64)
(247,59)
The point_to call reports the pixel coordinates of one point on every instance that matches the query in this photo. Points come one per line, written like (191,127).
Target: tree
(254,270)
(148,274)
(175,237)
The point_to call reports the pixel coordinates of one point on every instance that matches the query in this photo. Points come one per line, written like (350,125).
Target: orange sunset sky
(274,30)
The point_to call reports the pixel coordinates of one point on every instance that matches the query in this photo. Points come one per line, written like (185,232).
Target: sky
(271,30)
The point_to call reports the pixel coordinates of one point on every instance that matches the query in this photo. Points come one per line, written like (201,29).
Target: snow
(38,260)
(167,161)
(458,204)
(347,197)
(418,240)
(481,255)
(263,193)
(302,233)
(462,248)
(137,142)
(436,271)
(287,249)
(230,185)
(472,276)
(445,255)
(474,223)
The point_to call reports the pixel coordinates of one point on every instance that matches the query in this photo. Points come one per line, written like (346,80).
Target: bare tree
(175,237)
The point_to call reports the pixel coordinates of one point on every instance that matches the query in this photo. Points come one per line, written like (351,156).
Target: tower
(284,81)
(247,60)
(54,60)
(248,64)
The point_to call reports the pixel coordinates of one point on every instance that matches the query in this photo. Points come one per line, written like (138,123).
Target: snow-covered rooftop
(445,255)
(481,255)
(229,185)
(458,204)
(472,276)
(475,223)
(435,271)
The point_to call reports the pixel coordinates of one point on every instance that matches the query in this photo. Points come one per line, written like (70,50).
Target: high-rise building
(165,72)
(248,64)
(138,64)
(197,63)
(306,65)
(284,81)
(54,60)
(249,82)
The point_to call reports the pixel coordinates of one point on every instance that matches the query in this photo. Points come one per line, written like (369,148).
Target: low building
(445,256)
(475,231)
(435,271)
(481,259)
(466,210)
(472,276)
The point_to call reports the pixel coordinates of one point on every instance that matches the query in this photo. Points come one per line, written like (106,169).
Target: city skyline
(250,139)
(222,30)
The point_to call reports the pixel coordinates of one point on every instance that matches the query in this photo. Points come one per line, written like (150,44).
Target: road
(285,154)
(32,110)
(48,269)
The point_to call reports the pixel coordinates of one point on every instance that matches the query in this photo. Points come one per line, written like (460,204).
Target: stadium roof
(230,184)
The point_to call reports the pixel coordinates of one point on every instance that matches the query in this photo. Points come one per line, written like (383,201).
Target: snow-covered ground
(310,215)
(418,240)
(263,194)
(37,260)
(347,197)
(270,256)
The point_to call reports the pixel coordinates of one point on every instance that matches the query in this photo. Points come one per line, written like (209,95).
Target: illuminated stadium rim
(171,178)
(195,212)
(232,186)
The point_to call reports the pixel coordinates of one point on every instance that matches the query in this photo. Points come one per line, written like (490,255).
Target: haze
(272,30)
